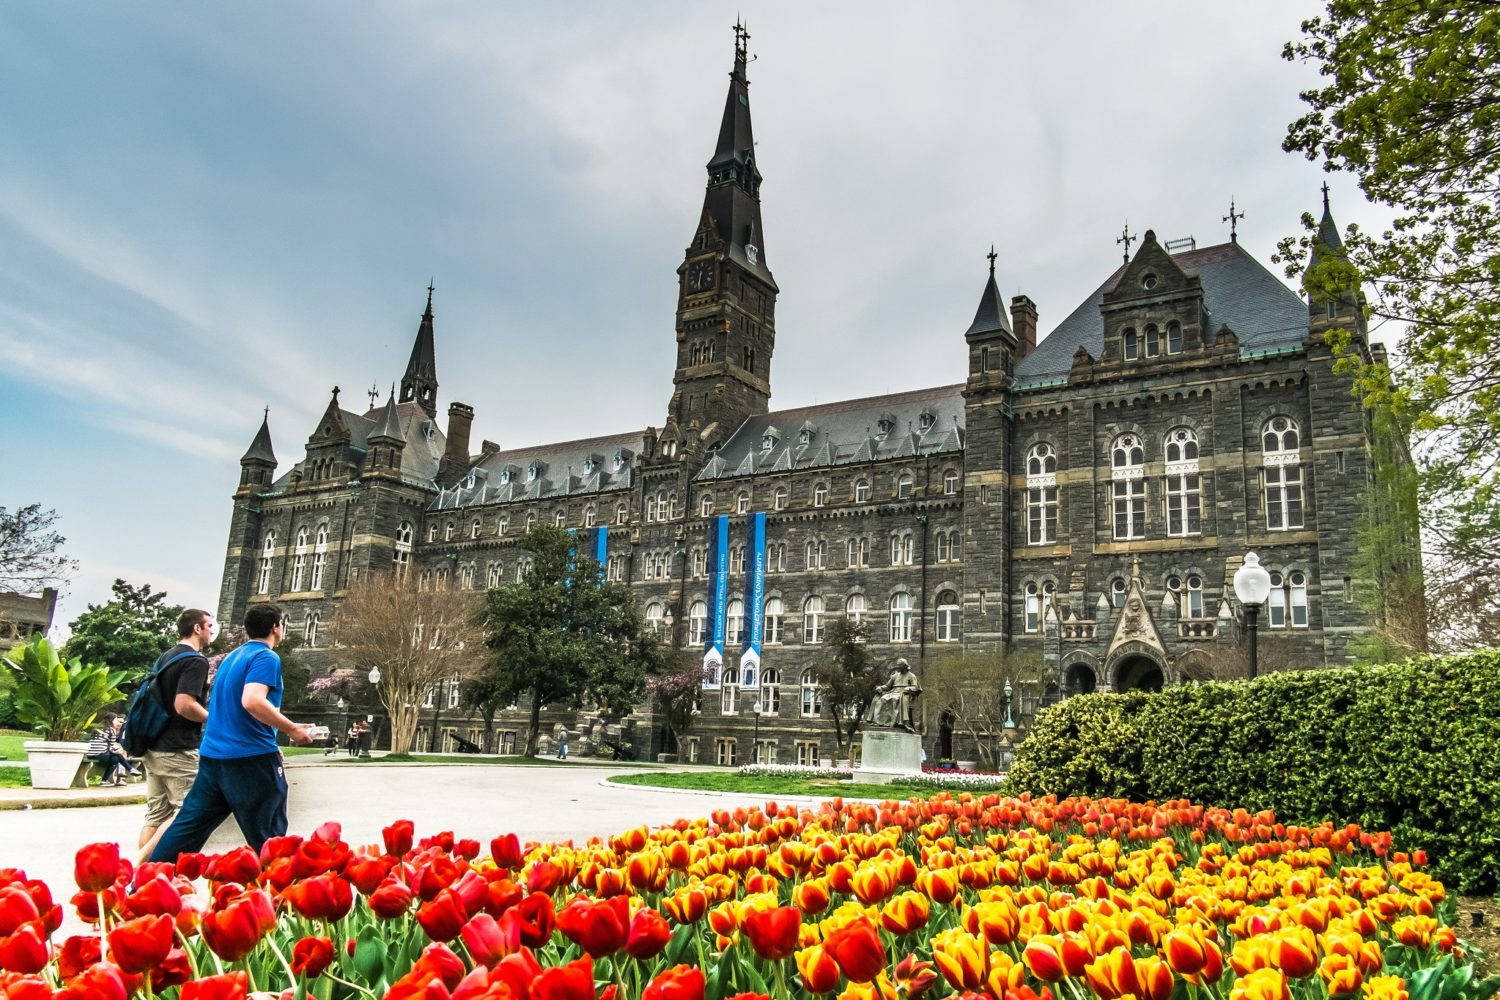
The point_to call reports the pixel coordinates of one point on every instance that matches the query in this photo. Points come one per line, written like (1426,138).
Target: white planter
(57,765)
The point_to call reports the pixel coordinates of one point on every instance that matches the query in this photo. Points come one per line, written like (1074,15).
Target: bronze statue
(893,708)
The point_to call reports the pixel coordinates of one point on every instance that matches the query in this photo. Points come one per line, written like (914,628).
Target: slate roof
(1238,292)
(844,432)
(260,448)
(419,459)
(571,468)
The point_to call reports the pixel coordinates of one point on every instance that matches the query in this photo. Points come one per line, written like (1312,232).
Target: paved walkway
(539,803)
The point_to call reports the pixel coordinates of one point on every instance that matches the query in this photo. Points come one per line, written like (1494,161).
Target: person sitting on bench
(106,751)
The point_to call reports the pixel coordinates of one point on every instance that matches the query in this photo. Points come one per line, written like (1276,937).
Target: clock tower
(726,303)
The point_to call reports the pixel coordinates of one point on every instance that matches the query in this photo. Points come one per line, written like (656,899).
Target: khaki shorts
(169,775)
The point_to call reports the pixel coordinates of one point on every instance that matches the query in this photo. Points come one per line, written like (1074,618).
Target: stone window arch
(812,620)
(820,493)
(320,556)
(1282,468)
(1127,458)
(947,616)
(1183,482)
(267,554)
(299,560)
(901,617)
(697,622)
(1041,494)
(401,558)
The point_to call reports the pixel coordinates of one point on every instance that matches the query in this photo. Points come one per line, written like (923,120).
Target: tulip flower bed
(978,898)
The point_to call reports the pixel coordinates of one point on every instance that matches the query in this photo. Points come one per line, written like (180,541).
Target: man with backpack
(169,722)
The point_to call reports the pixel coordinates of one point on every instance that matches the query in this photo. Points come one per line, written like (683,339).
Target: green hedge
(1413,748)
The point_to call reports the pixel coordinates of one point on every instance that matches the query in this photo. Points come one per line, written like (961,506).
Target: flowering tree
(675,692)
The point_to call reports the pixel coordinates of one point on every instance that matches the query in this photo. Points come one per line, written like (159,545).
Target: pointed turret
(1334,298)
(386,442)
(733,196)
(388,427)
(989,317)
(1328,241)
(992,344)
(419,385)
(258,464)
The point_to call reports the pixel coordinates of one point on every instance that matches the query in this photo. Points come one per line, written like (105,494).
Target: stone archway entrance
(1080,679)
(1139,673)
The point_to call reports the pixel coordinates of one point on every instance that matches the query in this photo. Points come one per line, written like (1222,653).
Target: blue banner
(718,585)
(755,591)
(601,548)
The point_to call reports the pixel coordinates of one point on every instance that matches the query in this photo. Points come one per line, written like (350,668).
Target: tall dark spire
(419,384)
(1328,233)
(733,196)
(260,448)
(989,317)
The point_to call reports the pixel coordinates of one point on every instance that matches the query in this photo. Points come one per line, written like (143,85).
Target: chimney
(456,454)
(1023,322)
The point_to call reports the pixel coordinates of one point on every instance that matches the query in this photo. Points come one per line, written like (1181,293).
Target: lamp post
(343,717)
(1252,585)
(1010,720)
(374,678)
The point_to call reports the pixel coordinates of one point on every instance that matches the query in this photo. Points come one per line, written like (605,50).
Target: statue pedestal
(888,754)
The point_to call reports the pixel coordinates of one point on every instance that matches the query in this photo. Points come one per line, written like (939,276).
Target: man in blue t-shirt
(240,770)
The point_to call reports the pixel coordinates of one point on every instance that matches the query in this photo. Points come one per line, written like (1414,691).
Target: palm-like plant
(59,698)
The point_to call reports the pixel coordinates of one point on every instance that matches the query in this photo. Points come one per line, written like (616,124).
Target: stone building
(1085,495)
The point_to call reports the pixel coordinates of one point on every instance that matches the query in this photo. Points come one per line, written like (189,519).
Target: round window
(1148,282)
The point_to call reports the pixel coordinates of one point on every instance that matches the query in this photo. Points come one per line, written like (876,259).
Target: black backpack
(146,717)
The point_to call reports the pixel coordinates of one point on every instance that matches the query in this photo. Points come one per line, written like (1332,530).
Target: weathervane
(992,255)
(1232,218)
(1126,239)
(374,394)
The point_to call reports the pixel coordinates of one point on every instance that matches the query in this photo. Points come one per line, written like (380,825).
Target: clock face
(700,276)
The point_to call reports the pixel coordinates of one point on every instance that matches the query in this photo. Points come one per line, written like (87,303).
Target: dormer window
(805,436)
(768,439)
(469,480)
(588,466)
(926,420)
(429,432)
(620,460)
(533,472)
(505,475)
(887,424)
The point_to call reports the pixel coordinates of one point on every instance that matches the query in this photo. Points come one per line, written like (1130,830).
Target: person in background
(106,751)
(240,769)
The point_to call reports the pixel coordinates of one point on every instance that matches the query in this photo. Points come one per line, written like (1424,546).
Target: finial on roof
(1126,239)
(992,255)
(1232,218)
(1325,197)
(265,414)
(374,393)
(335,394)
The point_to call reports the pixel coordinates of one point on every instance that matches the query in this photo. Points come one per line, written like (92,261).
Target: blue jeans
(251,789)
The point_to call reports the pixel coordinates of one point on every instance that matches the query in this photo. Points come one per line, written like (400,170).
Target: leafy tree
(676,692)
(484,692)
(560,638)
(1389,551)
(969,687)
(847,678)
(59,697)
(126,633)
(30,551)
(1410,105)
(416,636)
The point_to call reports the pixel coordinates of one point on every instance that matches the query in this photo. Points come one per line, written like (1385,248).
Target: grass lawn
(461,758)
(731,781)
(10,743)
(15,777)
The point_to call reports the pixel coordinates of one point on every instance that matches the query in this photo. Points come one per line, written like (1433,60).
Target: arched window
(742,502)
(950,482)
(622,512)
(671,511)
(812,620)
(320,556)
(697,622)
(1297,598)
(817,553)
(522,568)
(1038,599)
(776,557)
(1287,605)
(1129,347)
(903,548)
(474,528)
(903,486)
(466,576)
(861,491)
(530,519)
(859,552)
(654,616)
(1280,454)
(820,494)
(734,615)
(812,699)
(1117,592)
(706,505)
(299,561)
(700,562)
(401,559)
(947,616)
(770,691)
(559,519)
(901,617)
(432,530)
(267,554)
(855,608)
(1153,341)
(1276,602)
(590,516)
(1127,457)
(771,624)
(492,575)
(728,705)
(1041,494)
(440,577)
(1184,488)
(779,498)
(502,525)
(944,546)
(448,531)
(313,625)
(1192,598)
(1174,337)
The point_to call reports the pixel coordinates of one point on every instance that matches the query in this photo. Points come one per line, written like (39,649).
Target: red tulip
(649,934)
(103,981)
(137,945)
(174,970)
(544,877)
(25,950)
(239,865)
(190,866)
(519,971)
(501,895)
(390,900)
(367,873)
(311,955)
(441,962)
(506,851)
(681,982)
(574,981)
(227,986)
(535,919)
(600,926)
(857,950)
(233,931)
(278,847)
(443,917)
(398,838)
(773,933)
(26,988)
(78,953)
(818,970)
(156,897)
(16,908)
(488,941)
(322,897)
(96,866)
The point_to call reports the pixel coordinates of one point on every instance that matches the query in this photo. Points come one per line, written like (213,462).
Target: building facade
(1086,495)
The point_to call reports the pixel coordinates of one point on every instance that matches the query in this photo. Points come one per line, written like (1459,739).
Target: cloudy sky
(209,208)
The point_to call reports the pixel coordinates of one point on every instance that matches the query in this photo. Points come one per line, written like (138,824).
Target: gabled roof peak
(260,448)
(990,317)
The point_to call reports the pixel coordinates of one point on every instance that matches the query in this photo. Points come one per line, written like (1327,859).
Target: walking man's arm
(189,708)
(254,701)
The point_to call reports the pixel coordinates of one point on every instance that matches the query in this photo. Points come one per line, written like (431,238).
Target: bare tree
(416,636)
(30,551)
(1463,603)
(969,686)
(847,679)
